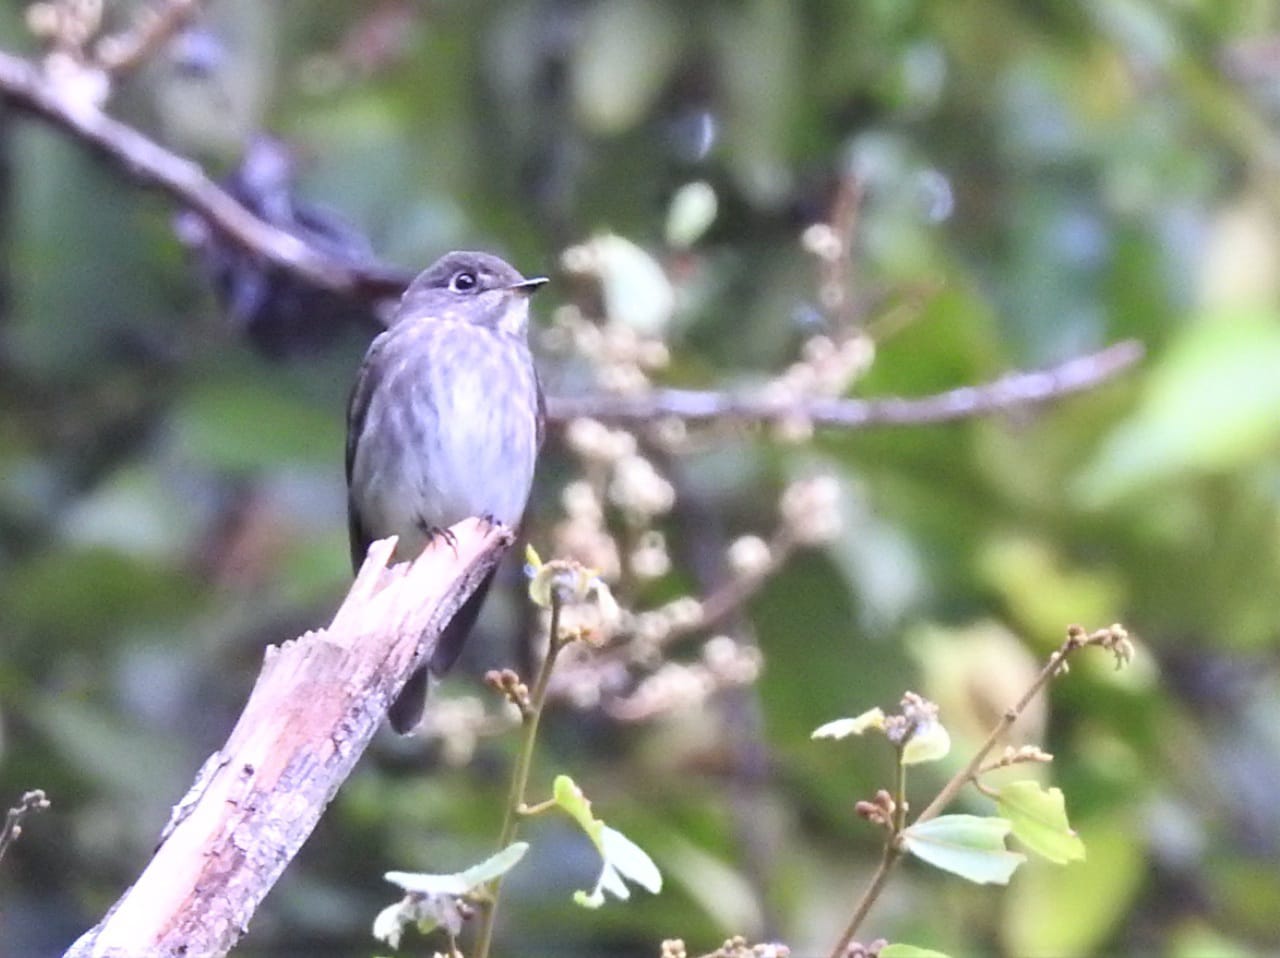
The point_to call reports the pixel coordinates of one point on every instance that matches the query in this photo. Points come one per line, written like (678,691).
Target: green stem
(888,858)
(520,777)
(893,845)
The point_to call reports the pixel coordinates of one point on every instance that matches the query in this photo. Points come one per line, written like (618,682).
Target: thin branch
(25,88)
(1011,391)
(315,707)
(516,805)
(11,831)
(1076,639)
(152,28)
(1114,638)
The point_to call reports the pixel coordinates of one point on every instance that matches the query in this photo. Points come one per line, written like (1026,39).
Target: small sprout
(621,857)
(878,811)
(569,581)
(509,685)
(1116,640)
(843,728)
(440,901)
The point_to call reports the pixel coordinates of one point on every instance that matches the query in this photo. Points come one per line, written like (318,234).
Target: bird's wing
(541,425)
(357,409)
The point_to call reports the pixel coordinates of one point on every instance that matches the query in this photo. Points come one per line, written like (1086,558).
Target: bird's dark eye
(463,281)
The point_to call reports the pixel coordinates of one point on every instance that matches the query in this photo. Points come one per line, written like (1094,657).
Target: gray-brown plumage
(445,422)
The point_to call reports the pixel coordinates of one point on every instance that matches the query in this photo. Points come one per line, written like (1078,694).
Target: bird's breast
(450,432)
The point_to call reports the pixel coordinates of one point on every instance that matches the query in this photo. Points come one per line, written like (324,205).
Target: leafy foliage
(1036,180)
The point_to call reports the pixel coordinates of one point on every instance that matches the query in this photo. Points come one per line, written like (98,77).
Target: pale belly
(474,456)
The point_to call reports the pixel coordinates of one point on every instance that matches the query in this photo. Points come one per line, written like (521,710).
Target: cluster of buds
(1018,755)
(615,471)
(509,685)
(827,367)
(678,686)
(870,950)
(811,510)
(68,24)
(739,947)
(879,811)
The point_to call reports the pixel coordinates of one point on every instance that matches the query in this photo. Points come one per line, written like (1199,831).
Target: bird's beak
(527,287)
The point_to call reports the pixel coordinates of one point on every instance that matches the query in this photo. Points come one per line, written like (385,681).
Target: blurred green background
(1044,178)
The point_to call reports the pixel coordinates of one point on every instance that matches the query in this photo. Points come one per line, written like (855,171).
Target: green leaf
(1076,909)
(432,901)
(621,857)
(1039,820)
(631,861)
(970,846)
(899,950)
(928,743)
(460,883)
(1209,408)
(843,728)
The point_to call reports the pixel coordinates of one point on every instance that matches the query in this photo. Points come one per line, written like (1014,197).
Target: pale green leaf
(1039,819)
(1210,407)
(389,925)
(1076,909)
(928,743)
(460,883)
(632,861)
(970,846)
(844,727)
(620,857)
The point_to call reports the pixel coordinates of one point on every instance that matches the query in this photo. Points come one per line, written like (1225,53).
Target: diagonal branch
(314,709)
(1008,392)
(25,88)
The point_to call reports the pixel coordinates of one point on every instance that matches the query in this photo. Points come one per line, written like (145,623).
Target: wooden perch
(316,705)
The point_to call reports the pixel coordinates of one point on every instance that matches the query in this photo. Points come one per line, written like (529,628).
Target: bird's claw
(440,532)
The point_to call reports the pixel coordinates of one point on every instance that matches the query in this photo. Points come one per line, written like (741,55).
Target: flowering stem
(1113,638)
(888,858)
(524,764)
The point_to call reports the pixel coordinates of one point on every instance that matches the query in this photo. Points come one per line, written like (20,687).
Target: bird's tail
(407,710)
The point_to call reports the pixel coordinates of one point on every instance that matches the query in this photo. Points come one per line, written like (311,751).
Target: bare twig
(24,87)
(33,801)
(1011,391)
(153,26)
(516,804)
(314,709)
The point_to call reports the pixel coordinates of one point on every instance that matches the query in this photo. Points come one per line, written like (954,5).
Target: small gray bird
(445,422)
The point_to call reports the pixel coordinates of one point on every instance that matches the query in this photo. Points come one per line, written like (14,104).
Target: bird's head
(473,287)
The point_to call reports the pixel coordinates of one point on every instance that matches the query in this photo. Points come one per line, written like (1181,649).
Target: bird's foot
(440,532)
